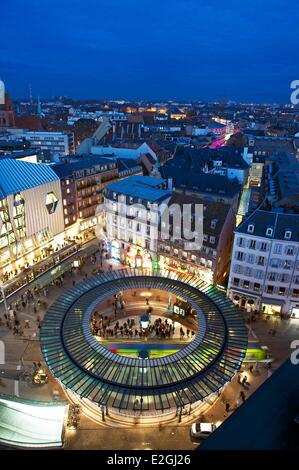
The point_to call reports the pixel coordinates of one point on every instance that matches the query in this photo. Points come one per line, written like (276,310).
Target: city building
(132,218)
(264,272)
(82,184)
(31,213)
(58,143)
(211,262)
(7,117)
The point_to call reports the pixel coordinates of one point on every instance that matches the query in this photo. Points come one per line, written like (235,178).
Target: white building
(264,272)
(132,218)
(59,143)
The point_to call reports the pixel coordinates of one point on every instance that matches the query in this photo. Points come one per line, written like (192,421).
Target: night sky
(245,50)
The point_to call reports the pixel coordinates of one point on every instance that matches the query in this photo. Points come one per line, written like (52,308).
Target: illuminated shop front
(136,257)
(271,307)
(295,312)
(115,250)
(205,274)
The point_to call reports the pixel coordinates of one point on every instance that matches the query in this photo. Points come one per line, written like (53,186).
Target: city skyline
(178,50)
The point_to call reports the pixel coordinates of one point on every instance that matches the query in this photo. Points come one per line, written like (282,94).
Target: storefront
(295,311)
(242,301)
(136,257)
(271,306)
(115,250)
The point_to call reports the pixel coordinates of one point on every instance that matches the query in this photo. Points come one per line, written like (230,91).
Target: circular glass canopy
(93,372)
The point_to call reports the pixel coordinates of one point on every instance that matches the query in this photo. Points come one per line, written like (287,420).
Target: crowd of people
(105,327)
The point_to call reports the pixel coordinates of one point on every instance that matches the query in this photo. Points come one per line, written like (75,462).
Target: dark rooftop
(266,420)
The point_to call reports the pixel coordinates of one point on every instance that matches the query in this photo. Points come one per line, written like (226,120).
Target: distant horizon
(149,100)
(183,50)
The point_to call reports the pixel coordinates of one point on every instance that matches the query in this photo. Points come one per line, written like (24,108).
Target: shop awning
(272,302)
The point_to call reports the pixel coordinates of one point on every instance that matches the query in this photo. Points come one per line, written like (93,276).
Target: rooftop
(17,175)
(144,187)
(266,420)
(279,222)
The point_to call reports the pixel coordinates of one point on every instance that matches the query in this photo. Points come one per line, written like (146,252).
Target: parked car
(202,430)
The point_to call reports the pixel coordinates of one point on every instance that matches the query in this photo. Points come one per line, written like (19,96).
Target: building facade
(30,210)
(132,218)
(82,185)
(264,272)
(211,262)
(58,143)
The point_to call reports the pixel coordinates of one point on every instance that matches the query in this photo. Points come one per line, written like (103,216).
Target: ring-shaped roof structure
(93,372)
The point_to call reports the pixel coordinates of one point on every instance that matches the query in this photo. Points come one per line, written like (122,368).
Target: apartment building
(132,218)
(264,272)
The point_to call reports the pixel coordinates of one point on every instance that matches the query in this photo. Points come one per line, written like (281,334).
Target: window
(287,264)
(213,223)
(275,263)
(51,203)
(269,232)
(263,246)
(270,289)
(66,221)
(295,293)
(240,255)
(284,278)
(246,284)
(252,244)
(147,244)
(261,260)
(138,227)
(248,271)
(281,290)
(290,250)
(287,234)
(256,286)
(114,196)
(250,228)
(250,259)
(64,202)
(272,276)
(68,190)
(241,241)
(212,240)
(277,249)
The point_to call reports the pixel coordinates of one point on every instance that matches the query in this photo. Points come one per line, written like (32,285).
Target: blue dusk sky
(244,50)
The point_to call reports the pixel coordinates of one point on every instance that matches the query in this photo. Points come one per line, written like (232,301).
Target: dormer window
(250,228)
(287,234)
(213,223)
(269,232)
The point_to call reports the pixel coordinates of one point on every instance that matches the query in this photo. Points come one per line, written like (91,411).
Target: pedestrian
(244,380)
